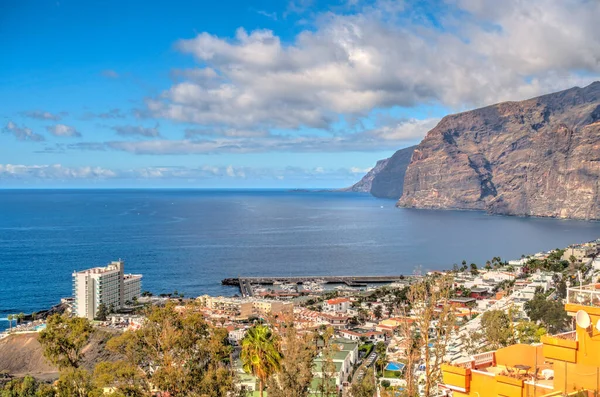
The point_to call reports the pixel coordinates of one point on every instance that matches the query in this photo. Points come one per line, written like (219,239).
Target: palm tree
(20,317)
(381,349)
(10,318)
(260,355)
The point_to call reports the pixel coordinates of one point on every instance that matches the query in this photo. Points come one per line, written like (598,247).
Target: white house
(336,305)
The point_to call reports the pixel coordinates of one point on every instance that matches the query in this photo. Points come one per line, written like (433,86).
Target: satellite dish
(583,319)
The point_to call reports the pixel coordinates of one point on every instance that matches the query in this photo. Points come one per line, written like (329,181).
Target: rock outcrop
(386,179)
(389,182)
(364,185)
(539,157)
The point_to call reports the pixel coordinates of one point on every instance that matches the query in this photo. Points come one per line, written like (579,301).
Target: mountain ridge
(537,157)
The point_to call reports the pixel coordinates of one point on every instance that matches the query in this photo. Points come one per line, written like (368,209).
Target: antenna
(583,319)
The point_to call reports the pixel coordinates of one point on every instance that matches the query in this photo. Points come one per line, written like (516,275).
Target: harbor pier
(245,283)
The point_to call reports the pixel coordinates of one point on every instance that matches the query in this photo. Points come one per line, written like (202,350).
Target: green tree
(20,318)
(365,387)
(529,332)
(26,387)
(496,326)
(179,352)
(295,374)
(381,350)
(474,270)
(572,259)
(434,321)
(260,354)
(76,382)
(63,340)
(378,312)
(45,390)
(124,377)
(10,318)
(551,314)
(102,312)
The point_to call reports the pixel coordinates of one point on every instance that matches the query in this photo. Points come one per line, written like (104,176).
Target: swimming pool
(394,366)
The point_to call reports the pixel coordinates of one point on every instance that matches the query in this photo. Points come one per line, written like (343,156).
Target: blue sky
(262,93)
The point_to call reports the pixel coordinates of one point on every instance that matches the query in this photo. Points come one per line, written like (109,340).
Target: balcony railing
(587,295)
(571,335)
(483,359)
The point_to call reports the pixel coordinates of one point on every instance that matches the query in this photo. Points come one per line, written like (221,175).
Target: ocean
(188,240)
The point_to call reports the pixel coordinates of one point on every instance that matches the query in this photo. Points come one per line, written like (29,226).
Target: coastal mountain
(386,179)
(389,182)
(364,185)
(538,157)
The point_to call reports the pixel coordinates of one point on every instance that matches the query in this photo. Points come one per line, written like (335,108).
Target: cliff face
(364,185)
(389,181)
(386,179)
(539,157)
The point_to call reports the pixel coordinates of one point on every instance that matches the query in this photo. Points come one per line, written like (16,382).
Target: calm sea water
(188,240)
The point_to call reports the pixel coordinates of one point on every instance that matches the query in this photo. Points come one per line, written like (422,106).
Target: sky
(256,93)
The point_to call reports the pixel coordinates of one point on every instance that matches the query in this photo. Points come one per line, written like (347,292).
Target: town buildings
(581,252)
(107,285)
(336,305)
(345,355)
(246,308)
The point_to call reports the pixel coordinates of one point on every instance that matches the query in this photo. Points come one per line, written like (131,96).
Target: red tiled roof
(336,301)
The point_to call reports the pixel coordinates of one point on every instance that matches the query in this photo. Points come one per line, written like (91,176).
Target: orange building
(566,364)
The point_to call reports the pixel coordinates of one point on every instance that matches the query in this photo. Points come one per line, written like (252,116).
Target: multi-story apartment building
(581,252)
(107,285)
(264,307)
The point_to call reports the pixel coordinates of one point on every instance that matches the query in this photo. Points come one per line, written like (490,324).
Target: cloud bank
(467,53)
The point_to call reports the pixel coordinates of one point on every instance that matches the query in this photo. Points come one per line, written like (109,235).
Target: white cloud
(405,130)
(62,130)
(130,130)
(55,171)
(58,172)
(358,170)
(226,132)
(22,133)
(384,137)
(42,115)
(479,52)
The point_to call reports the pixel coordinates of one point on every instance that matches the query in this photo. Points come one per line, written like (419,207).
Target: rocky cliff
(389,182)
(386,179)
(364,185)
(539,157)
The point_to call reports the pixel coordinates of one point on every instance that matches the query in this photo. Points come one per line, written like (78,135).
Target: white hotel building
(109,285)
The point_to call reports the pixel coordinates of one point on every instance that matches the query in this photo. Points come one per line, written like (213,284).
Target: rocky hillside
(22,354)
(386,179)
(539,157)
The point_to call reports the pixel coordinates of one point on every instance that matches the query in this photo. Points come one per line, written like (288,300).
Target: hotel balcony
(513,371)
(586,295)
